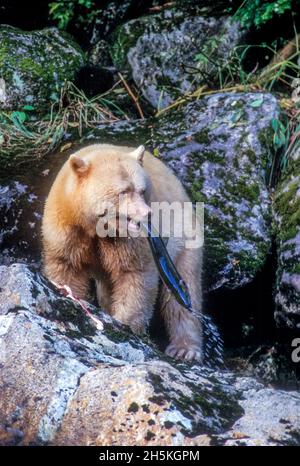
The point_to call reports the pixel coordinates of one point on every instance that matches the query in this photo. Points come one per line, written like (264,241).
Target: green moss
(295,269)
(287,204)
(168,424)
(149,436)
(243,188)
(36,64)
(202,137)
(251,155)
(133,408)
(122,39)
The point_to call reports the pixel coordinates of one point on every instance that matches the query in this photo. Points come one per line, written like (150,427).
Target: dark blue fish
(167,270)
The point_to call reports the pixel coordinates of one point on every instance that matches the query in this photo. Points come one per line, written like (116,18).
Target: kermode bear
(127,279)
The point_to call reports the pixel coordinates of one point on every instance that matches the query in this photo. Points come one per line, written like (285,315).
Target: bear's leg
(184,329)
(133,298)
(62,273)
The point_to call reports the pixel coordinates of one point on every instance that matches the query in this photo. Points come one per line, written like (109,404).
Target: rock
(111,13)
(219,147)
(163,76)
(34,66)
(64,381)
(99,55)
(271,417)
(53,360)
(20,211)
(287,228)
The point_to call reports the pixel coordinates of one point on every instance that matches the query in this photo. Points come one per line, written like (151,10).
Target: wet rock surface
(34,66)
(160,52)
(54,368)
(287,225)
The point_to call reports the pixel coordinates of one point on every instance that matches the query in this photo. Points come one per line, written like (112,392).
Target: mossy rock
(215,146)
(160,52)
(34,65)
(207,7)
(287,229)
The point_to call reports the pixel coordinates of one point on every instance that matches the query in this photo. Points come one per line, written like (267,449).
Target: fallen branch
(289,52)
(161,7)
(67,292)
(133,97)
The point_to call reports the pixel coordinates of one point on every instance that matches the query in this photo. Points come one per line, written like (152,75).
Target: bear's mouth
(132,224)
(128,222)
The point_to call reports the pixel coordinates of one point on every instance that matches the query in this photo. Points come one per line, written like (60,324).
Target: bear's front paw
(184,351)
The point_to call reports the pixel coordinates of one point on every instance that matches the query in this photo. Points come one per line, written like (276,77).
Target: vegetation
(63,11)
(75,111)
(22,133)
(259,12)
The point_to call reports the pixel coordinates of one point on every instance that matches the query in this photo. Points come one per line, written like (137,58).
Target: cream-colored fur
(126,276)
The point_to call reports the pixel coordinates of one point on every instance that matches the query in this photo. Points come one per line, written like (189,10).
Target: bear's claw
(186,353)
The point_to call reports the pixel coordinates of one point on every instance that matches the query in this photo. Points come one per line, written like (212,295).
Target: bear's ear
(79,165)
(138,154)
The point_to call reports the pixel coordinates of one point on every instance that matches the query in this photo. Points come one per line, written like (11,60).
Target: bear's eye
(142,192)
(103,214)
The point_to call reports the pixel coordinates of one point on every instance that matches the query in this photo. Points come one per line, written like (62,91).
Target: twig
(133,97)
(161,7)
(67,292)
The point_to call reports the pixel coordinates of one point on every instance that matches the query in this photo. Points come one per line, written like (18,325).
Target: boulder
(160,51)
(67,379)
(111,13)
(219,147)
(34,66)
(20,210)
(207,7)
(271,417)
(287,229)
(54,360)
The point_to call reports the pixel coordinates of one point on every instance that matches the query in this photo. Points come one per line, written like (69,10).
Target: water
(213,342)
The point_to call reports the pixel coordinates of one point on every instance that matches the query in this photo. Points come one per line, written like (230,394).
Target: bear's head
(111,188)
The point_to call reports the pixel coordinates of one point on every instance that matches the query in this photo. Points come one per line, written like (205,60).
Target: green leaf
(236,116)
(156,152)
(28,108)
(274,124)
(18,116)
(257,103)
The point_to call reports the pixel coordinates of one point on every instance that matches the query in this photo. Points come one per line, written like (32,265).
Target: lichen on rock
(160,52)
(34,66)
(215,147)
(287,229)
